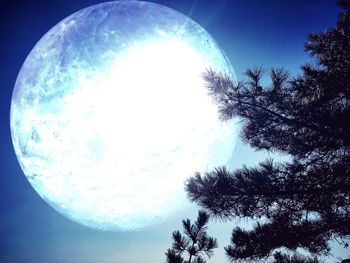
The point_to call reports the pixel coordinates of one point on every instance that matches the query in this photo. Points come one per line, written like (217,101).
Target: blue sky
(267,33)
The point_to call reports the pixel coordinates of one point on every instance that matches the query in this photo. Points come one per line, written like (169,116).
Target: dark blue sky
(269,33)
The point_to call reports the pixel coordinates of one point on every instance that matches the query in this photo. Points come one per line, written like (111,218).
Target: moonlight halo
(110,114)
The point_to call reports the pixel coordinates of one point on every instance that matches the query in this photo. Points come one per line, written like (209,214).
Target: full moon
(110,114)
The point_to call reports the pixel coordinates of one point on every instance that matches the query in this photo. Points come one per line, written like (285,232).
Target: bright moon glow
(110,114)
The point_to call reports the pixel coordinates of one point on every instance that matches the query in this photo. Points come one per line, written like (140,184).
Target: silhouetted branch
(304,202)
(196,244)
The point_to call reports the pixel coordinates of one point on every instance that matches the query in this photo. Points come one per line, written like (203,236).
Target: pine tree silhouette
(304,203)
(196,244)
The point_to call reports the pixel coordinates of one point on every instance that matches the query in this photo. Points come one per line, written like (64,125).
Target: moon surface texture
(110,114)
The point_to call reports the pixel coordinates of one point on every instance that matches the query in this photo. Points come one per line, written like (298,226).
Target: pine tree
(196,244)
(303,203)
